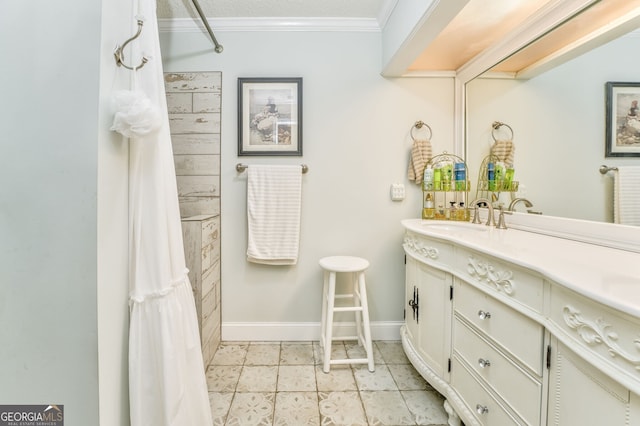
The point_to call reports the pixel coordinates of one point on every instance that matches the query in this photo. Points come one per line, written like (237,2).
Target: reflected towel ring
(418,125)
(119,55)
(496,125)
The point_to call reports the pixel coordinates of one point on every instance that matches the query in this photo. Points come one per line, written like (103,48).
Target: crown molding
(270,24)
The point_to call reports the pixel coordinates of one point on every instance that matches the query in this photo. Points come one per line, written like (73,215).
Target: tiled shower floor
(271,383)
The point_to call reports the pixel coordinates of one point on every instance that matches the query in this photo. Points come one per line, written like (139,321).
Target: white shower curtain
(167,382)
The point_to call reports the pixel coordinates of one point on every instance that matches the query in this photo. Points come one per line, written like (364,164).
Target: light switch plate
(397,192)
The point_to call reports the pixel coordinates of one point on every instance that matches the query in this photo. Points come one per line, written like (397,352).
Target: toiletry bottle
(499,176)
(460,176)
(437,178)
(462,212)
(508,179)
(440,212)
(447,175)
(452,212)
(491,176)
(427,181)
(428,211)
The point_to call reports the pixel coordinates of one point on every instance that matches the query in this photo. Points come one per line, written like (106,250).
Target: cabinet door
(411,313)
(434,317)
(579,394)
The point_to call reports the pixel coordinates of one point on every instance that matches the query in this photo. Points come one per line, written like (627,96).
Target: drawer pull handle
(484,363)
(482,409)
(483,315)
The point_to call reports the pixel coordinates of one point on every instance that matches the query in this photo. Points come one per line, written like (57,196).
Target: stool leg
(323,321)
(328,336)
(365,319)
(357,301)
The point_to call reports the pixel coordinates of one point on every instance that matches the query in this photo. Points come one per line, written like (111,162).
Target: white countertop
(608,275)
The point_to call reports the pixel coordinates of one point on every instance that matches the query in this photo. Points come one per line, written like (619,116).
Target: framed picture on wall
(270,116)
(622,120)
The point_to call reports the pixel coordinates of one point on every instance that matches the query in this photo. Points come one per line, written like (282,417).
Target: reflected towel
(504,150)
(273,210)
(626,196)
(420,156)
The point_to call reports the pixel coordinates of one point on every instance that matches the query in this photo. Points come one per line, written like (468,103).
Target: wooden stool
(355,266)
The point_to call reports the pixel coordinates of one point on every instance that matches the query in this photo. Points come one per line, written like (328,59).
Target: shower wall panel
(193,100)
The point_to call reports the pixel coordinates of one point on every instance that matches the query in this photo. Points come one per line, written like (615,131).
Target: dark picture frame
(622,119)
(270,116)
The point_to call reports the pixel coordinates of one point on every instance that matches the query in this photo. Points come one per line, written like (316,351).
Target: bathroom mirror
(558,122)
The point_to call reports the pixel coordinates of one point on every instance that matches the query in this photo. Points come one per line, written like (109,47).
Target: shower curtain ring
(119,55)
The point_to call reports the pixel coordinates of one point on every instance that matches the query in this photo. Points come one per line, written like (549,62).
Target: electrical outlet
(397,192)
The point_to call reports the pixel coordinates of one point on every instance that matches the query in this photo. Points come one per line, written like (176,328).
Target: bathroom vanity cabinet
(515,327)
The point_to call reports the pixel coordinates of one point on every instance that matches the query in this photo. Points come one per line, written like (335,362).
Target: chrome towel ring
(419,125)
(496,125)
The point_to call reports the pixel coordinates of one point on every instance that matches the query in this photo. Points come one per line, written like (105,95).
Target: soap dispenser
(462,212)
(452,213)
(428,211)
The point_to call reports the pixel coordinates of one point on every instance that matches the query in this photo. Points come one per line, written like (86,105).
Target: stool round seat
(344,263)
(353,270)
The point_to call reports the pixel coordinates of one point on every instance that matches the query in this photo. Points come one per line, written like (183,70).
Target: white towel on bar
(274,195)
(626,196)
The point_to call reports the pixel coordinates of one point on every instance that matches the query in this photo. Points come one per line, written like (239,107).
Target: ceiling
(454,33)
(168,9)
(478,25)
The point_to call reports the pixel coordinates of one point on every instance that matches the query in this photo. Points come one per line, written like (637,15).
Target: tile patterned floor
(271,383)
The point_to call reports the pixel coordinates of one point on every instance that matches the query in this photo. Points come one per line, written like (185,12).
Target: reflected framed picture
(622,120)
(270,116)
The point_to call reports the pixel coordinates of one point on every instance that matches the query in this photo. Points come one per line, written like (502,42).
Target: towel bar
(242,167)
(606,169)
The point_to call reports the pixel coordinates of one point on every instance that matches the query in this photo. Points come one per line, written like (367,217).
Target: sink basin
(454,226)
(451,227)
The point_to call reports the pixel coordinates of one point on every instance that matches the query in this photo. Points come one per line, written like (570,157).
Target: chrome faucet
(491,221)
(512,205)
(501,224)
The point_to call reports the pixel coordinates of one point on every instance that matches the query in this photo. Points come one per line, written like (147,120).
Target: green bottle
(437,179)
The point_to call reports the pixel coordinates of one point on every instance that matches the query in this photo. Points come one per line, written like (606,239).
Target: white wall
(356,142)
(63,210)
(558,120)
(118,24)
(48,211)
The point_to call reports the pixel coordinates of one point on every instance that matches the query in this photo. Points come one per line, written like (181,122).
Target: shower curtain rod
(219,47)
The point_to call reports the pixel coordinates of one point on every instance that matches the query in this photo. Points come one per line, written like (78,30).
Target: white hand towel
(626,196)
(274,196)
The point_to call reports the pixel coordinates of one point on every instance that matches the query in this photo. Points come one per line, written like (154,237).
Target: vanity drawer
(499,373)
(503,278)
(599,329)
(517,334)
(486,410)
(428,250)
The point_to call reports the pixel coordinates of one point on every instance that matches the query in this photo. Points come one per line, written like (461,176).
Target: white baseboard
(304,331)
